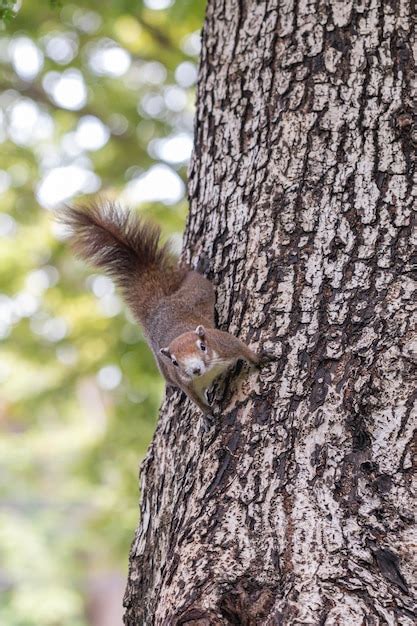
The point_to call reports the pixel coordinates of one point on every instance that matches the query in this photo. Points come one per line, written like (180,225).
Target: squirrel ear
(200,331)
(165,352)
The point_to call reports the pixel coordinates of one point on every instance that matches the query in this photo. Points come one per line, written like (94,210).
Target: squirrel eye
(175,362)
(202,347)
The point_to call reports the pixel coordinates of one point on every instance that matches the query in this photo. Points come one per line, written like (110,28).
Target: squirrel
(174,304)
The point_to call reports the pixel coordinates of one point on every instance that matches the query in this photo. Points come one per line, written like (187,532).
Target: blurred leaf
(91,95)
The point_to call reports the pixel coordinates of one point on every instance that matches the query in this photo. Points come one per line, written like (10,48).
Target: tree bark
(297,508)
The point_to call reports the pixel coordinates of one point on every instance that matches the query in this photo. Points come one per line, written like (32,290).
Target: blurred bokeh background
(95,97)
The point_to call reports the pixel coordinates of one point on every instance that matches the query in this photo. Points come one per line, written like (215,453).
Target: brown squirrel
(175,305)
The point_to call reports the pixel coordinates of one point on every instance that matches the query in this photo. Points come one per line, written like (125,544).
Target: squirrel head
(190,353)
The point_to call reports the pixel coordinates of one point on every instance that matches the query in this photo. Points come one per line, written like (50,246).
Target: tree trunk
(297,508)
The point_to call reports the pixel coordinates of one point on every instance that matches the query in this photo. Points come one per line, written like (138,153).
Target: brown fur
(174,305)
(222,350)
(128,250)
(226,346)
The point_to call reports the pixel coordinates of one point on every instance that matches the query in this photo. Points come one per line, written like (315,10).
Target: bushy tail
(117,241)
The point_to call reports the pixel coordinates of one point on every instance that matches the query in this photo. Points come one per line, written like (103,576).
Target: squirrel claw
(265,357)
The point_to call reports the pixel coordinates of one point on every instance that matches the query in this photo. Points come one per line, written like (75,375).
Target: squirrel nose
(197,371)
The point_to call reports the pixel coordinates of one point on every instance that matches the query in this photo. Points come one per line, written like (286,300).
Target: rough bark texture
(297,509)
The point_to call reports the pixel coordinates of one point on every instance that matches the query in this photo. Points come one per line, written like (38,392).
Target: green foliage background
(69,449)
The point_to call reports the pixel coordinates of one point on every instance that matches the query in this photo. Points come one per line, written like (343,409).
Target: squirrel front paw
(265,357)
